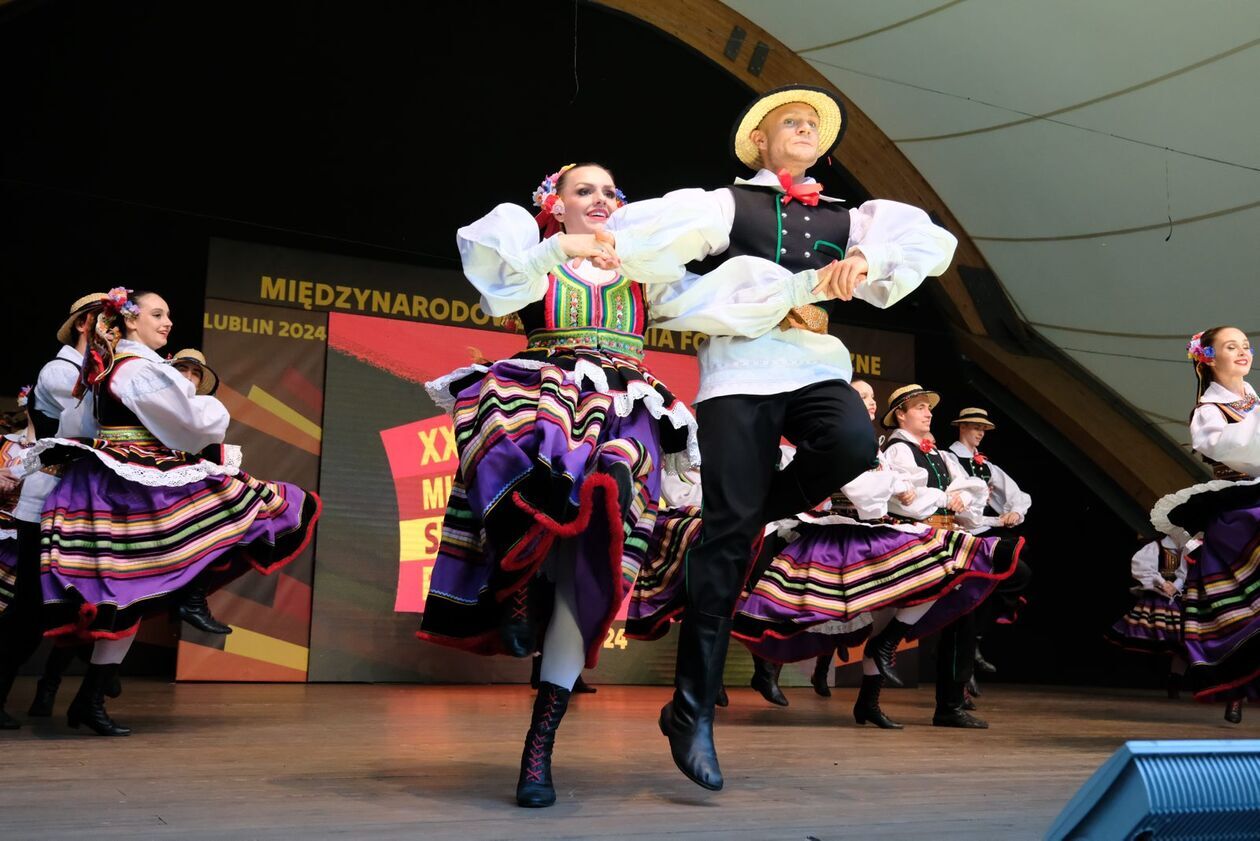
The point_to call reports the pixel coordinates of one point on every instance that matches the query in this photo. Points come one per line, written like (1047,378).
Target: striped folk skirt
(541,437)
(118,537)
(1152,626)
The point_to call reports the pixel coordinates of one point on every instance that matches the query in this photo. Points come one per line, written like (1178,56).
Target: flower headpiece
(118,301)
(24,396)
(1197,352)
(545,196)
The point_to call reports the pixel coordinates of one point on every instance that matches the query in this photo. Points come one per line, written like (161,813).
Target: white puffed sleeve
(902,246)
(1145,566)
(1236,445)
(871,491)
(745,296)
(900,459)
(657,238)
(1005,496)
(167,404)
(504,259)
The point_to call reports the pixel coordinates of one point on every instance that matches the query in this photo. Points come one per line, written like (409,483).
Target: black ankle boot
(534,787)
(59,659)
(581,687)
(950,697)
(195,610)
(1233,712)
(765,680)
(822,669)
(88,706)
(722,699)
(687,720)
(867,706)
(983,664)
(882,648)
(516,625)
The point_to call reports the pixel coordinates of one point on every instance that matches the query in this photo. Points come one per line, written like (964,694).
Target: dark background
(135,131)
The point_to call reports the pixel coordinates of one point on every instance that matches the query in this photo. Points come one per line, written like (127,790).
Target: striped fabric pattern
(1153,625)
(659,591)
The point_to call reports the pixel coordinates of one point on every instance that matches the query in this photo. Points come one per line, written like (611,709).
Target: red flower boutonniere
(926,446)
(979,458)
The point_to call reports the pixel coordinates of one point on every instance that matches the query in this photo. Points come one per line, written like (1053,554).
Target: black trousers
(21,626)
(955,655)
(739,446)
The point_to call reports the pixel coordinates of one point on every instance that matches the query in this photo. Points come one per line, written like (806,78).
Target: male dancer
(769,247)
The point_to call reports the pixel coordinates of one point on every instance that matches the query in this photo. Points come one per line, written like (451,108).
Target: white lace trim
(1166,504)
(148,476)
(835,626)
(439,389)
(678,415)
(841,520)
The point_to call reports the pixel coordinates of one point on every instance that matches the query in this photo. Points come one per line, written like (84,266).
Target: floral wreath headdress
(549,203)
(24,396)
(1196,352)
(105,333)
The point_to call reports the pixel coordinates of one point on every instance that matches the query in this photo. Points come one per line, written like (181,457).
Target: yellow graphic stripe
(256,646)
(282,411)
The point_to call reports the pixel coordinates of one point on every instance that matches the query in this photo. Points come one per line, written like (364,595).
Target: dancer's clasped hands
(840,278)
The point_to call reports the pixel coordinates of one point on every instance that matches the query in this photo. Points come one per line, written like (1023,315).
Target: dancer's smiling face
(971,434)
(153,325)
(1233,356)
(787,137)
(864,390)
(916,418)
(589,197)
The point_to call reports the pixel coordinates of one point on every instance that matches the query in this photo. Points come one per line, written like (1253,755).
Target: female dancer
(561,449)
(154,503)
(1153,624)
(1221,604)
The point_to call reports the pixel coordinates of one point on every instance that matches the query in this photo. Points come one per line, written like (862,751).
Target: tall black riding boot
(950,695)
(59,658)
(882,648)
(822,669)
(765,680)
(516,625)
(687,720)
(867,706)
(534,787)
(195,609)
(88,706)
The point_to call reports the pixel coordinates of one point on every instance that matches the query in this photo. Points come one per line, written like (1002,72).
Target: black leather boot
(765,680)
(867,706)
(534,788)
(581,687)
(8,673)
(516,625)
(687,720)
(59,658)
(1233,712)
(950,697)
(983,664)
(822,669)
(722,699)
(195,610)
(882,648)
(88,706)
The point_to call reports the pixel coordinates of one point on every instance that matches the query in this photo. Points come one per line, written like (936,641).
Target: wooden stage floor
(240,761)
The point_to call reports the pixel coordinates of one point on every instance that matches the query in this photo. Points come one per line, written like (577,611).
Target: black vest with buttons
(933,463)
(811,237)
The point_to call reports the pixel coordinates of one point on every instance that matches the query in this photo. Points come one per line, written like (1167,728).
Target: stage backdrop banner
(386,452)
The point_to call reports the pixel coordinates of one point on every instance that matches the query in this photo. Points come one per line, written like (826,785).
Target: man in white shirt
(1005,511)
(769,249)
(54,411)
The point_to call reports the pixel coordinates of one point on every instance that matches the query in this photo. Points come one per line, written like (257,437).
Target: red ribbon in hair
(804,193)
(547,223)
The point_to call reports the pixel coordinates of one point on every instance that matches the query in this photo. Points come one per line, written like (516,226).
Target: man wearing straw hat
(53,411)
(760,256)
(1006,509)
(192,364)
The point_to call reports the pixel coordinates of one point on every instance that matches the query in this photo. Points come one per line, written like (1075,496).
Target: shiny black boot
(950,697)
(765,680)
(882,648)
(867,706)
(88,706)
(822,669)
(722,699)
(59,659)
(1233,712)
(534,787)
(195,610)
(687,720)
(516,625)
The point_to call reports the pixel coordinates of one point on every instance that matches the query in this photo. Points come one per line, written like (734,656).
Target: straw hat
(980,417)
(831,119)
(65,335)
(192,356)
(904,395)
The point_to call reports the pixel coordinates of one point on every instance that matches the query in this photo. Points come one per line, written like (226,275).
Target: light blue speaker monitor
(1185,790)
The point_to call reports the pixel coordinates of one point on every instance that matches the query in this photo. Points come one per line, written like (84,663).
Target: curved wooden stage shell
(354,761)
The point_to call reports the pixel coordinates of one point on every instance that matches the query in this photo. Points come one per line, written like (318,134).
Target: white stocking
(111,651)
(564,652)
